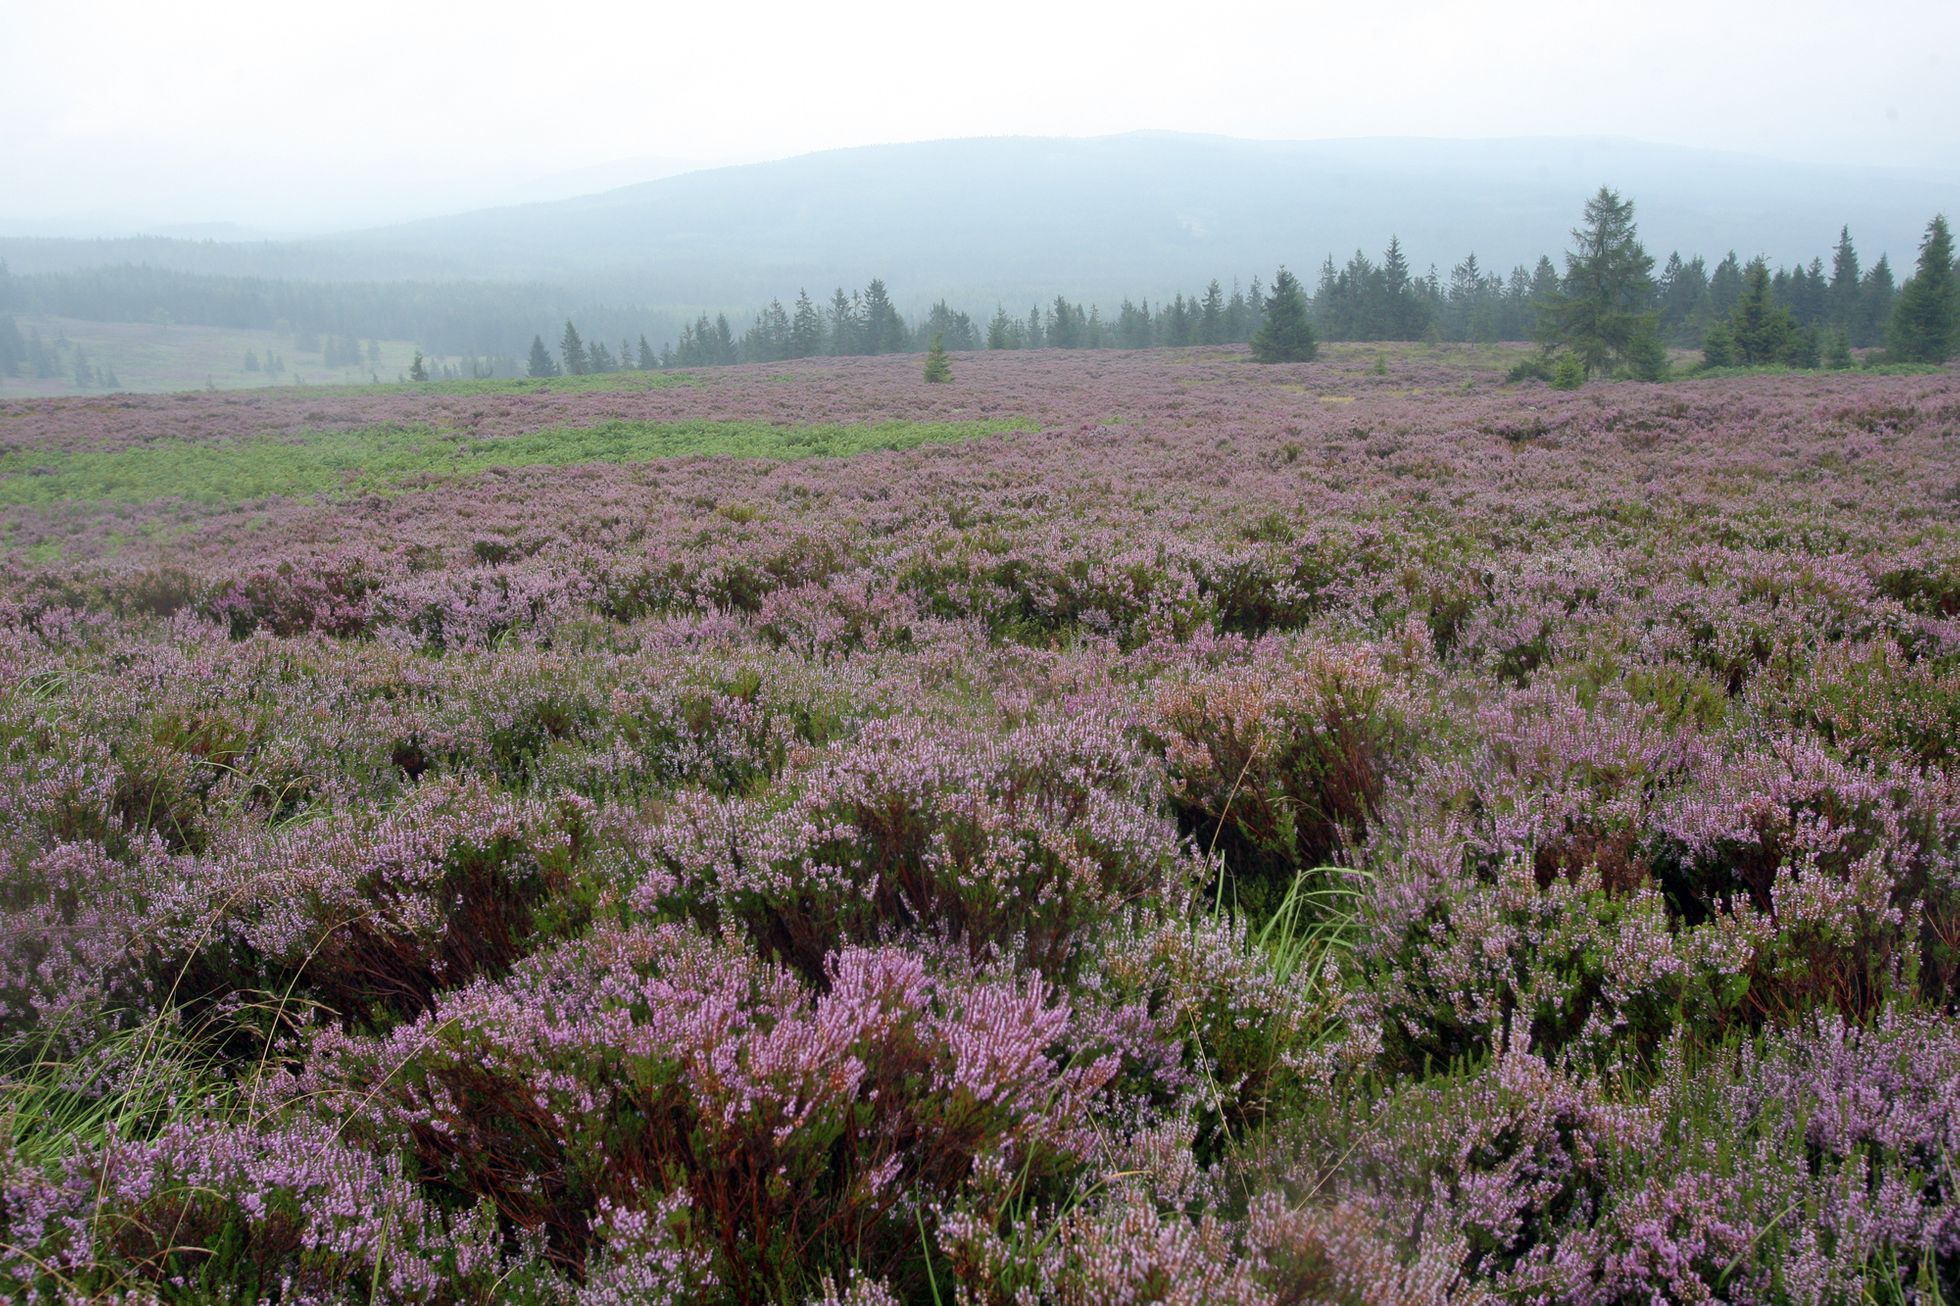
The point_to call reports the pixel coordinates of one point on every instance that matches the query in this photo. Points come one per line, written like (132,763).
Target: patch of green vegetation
(591,382)
(379,458)
(1781,369)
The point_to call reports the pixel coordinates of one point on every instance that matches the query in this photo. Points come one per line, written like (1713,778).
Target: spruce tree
(1238,316)
(1211,315)
(1923,319)
(1512,309)
(884,332)
(1837,356)
(1603,306)
(1725,285)
(1285,335)
(938,370)
(1324,294)
(1404,308)
(1718,347)
(13,350)
(805,329)
(1843,293)
(1543,295)
(1876,295)
(1684,299)
(1003,332)
(1064,325)
(1761,331)
(844,324)
(418,370)
(541,363)
(572,350)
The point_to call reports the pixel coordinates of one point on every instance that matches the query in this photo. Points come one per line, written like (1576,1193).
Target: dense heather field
(1115,828)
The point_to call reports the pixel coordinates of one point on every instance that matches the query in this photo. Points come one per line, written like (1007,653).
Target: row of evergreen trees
(340,351)
(1607,306)
(867,322)
(1744,313)
(1606,314)
(580,358)
(1368,300)
(30,355)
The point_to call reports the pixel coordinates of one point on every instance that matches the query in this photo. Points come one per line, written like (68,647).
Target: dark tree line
(1607,305)
(452,318)
(578,357)
(30,355)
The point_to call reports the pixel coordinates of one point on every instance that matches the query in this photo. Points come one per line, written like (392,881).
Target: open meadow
(1116,827)
(159,356)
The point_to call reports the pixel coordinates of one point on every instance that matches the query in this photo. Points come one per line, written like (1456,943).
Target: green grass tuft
(379,458)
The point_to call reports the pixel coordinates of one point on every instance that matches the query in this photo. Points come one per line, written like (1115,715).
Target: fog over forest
(256,178)
(976,226)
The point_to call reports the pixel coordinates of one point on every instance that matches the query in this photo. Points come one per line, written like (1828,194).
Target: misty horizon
(280,124)
(543,187)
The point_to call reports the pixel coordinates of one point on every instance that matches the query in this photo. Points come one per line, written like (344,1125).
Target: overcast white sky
(339,112)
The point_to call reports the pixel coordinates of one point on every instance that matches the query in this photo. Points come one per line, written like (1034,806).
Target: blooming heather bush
(841,615)
(1804,1168)
(329,594)
(219,1211)
(1290,760)
(446,610)
(73,967)
(1243,1035)
(1021,844)
(1869,702)
(1611,879)
(1127,1249)
(373,920)
(771,1133)
(727,728)
(1360,835)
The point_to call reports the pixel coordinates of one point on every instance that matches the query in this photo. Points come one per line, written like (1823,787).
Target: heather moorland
(1120,826)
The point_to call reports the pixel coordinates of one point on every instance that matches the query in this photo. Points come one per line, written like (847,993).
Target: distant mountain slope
(1147,213)
(1014,219)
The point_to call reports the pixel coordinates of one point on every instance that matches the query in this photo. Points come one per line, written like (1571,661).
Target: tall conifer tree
(1602,312)
(1923,326)
(572,349)
(1285,335)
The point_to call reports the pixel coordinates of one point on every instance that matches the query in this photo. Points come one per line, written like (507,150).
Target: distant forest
(481,327)
(1365,299)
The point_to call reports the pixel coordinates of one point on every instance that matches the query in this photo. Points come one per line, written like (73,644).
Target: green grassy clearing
(157,356)
(625,382)
(381,457)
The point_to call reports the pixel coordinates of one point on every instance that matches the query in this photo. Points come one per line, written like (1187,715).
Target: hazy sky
(340,112)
